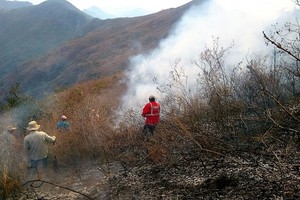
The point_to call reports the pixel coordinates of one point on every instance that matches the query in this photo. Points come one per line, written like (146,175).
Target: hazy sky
(120,6)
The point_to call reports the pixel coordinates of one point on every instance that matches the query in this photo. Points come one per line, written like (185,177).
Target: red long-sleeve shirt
(152,113)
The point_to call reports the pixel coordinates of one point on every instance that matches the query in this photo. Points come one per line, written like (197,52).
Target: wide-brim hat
(11,128)
(33,126)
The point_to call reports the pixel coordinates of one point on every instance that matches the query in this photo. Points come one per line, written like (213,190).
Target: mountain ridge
(102,48)
(9,5)
(98,13)
(32,31)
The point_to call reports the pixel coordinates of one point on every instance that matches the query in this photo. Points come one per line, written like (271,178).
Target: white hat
(33,126)
(11,128)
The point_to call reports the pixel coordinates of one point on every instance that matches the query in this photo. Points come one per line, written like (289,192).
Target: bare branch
(267,93)
(278,125)
(279,46)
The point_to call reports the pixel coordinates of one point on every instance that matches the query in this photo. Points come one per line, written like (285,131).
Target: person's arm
(146,110)
(26,145)
(48,138)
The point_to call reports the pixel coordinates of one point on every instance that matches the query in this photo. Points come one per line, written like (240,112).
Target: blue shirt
(63,125)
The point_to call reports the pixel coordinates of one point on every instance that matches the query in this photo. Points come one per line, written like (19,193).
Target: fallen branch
(41,182)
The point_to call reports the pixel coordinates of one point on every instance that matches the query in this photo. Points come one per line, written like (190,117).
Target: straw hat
(33,126)
(11,128)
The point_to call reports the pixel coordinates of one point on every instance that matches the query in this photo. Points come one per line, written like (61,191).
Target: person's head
(151,98)
(33,126)
(11,129)
(63,117)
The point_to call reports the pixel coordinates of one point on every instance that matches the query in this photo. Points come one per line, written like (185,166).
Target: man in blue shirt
(63,125)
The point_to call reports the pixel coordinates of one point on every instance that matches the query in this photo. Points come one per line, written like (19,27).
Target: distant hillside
(93,55)
(136,13)
(9,5)
(98,13)
(30,32)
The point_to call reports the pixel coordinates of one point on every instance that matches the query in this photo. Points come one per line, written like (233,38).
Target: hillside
(42,59)
(30,32)
(9,5)
(98,13)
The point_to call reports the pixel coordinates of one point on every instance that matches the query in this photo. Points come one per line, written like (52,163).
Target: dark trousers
(38,167)
(149,129)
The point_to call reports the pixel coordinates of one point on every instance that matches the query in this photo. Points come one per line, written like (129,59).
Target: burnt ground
(195,175)
(205,178)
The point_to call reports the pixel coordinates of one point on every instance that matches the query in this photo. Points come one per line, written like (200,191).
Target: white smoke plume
(237,22)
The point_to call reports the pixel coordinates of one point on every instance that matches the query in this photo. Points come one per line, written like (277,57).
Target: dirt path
(83,182)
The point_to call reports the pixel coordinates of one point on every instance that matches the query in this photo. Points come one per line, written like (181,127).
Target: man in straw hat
(35,144)
(7,146)
(7,136)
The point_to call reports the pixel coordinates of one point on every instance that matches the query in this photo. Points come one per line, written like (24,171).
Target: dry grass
(9,183)
(89,109)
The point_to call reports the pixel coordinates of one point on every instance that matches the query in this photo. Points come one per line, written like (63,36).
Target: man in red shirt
(151,112)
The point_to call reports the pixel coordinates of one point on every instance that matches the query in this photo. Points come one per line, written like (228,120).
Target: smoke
(232,21)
